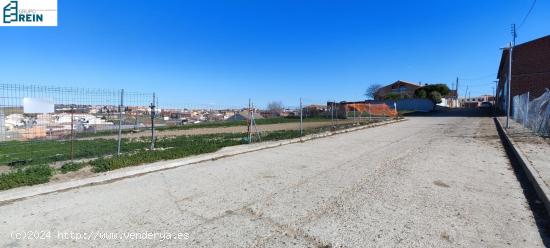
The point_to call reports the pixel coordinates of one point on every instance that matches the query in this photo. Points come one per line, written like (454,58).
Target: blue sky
(220,53)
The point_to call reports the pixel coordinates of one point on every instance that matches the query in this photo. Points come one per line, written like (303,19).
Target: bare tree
(371,90)
(275,108)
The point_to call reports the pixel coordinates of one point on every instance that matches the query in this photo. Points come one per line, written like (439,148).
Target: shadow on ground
(455,112)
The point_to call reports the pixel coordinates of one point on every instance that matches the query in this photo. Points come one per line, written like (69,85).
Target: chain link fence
(535,114)
(46,130)
(45,124)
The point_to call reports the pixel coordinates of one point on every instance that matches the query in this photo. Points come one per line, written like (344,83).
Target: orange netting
(374,109)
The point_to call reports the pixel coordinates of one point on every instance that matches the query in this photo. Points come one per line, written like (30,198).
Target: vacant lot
(35,162)
(228,129)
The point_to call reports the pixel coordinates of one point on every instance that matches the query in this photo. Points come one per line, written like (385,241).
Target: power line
(481,86)
(480,77)
(528,13)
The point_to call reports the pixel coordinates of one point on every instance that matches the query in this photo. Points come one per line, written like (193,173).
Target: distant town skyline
(220,53)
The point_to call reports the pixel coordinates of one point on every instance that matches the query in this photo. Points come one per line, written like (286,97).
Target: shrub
(71,167)
(443,89)
(392,96)
(435,97)
(421,93)
(27,176)
(280,135)
(48,151)
(174,148)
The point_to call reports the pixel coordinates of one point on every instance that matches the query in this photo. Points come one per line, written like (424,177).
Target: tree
(434,92)
(392,96)
(421,93)
(275,108)
(435,96)
(371,90)
(443,89)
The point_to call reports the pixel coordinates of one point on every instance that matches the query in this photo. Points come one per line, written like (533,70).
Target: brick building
(401,88)
(530,70)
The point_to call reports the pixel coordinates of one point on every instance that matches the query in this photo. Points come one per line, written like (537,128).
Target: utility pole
(510,52)
(465,94)
(332,113)
(494,95)
(508,101)
(120,119)
(456,91)
(494,108)
(301,118)
(152,106)
(495,91)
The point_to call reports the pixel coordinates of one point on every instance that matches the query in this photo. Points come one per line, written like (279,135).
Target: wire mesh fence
(63,129)
(45,124)
(535,114)
(47,130)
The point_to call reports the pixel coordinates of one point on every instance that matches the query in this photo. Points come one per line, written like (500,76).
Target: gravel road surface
(426,182)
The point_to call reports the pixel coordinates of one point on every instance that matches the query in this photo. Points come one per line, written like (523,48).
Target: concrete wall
(422,105)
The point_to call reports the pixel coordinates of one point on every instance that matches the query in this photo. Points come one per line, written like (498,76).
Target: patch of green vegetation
(281,135)
(209,124)
(26,176)
(168,148)
(71,167)
(49,151)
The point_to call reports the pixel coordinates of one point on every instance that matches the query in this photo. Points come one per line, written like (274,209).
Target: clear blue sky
(222,52)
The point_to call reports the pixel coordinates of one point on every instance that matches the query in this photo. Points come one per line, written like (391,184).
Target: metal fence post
(332,114)
(249,129)
(153,123)
(368,110)
(120,120)
(395,107)
(301,119)
(254,124)
(72,132)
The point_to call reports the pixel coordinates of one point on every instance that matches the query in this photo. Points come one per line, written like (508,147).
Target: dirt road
(426,182)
